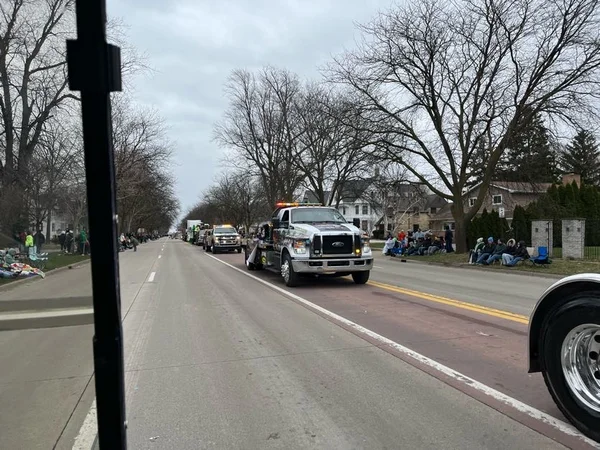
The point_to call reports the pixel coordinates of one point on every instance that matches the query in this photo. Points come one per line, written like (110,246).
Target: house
(385,206)
(502,196)
(357,201)
(410,207)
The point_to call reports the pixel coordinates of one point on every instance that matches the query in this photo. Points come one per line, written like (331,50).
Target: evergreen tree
(521,225)
(582,156)
(530,157)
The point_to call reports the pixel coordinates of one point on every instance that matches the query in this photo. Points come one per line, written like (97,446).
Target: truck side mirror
(275,223)
(356,222)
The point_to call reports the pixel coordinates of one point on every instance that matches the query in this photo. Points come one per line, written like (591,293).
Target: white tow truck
(309,239)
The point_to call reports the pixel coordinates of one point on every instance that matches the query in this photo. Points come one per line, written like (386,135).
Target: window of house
(433,210)
(356,209)
(389,227)
(497,200)
(364,225)
(472,201)
(365,209)
(343,210)
(53,225)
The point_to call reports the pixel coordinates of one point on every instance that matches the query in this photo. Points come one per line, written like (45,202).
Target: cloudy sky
(193,45)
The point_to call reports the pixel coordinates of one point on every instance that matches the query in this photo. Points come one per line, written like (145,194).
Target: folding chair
(541,259)
(37,260)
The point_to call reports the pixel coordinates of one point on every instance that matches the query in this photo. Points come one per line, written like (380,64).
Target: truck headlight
(300,246)
(366,246)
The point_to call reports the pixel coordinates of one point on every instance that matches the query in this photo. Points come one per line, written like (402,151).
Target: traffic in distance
(308,240)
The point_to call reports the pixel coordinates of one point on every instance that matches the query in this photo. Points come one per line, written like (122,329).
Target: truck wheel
(239,250)
(287,271)
(250,266)
(571,365)
(361,277)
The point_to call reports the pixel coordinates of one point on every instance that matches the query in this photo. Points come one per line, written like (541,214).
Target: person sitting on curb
(520,255)
(487,250)
(435,246)
(425,246)
(474,254)
(497,254)
(510,250)
(412,248)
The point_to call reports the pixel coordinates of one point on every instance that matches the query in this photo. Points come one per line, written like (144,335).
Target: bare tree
(441,82)
(60,149)
(238,199)
(259,127)
(142,159)
(393,195)
(330,150)
(33,78)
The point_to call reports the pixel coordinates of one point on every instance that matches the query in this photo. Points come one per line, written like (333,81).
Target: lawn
(55,260)
(558,266)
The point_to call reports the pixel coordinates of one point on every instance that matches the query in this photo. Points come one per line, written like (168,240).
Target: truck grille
(337,245)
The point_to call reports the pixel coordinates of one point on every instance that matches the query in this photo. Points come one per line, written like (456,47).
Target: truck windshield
(225,231)
(317,215)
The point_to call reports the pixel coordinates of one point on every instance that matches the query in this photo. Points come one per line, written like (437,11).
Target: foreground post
(95,70)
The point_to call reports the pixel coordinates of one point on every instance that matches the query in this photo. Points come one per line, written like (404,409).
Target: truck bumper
(221,247)
(332,265)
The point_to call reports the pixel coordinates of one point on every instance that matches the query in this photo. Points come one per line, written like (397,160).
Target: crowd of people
(132,240)
(492,251)
(29,242)
(74,243)
(418,243)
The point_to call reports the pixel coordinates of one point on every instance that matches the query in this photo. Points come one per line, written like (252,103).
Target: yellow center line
(456,303)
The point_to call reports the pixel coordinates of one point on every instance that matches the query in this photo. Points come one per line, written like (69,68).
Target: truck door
(279,236)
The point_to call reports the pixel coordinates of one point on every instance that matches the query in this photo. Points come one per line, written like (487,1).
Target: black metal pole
(95,70)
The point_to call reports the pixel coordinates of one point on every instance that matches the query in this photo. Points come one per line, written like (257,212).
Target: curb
(12,284)
(466,266)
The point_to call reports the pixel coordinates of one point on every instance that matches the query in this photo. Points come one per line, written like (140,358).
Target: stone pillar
(573,238)
(541,235)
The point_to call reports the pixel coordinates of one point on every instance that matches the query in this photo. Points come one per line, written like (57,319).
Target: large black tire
(239,250)
(250,266)
(361,277)
(553,334)
(290,277)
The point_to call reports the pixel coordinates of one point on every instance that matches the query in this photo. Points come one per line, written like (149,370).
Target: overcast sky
(193,45)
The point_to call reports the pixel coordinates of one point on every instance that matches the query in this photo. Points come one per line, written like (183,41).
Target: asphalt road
(215,359)
(514,292)
(46,384)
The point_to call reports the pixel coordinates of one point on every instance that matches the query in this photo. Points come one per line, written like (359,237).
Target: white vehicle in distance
(224,238)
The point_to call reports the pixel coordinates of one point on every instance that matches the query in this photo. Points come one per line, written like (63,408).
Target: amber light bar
(284,204)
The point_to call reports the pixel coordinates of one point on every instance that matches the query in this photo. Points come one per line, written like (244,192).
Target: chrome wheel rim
(581,364)
(285,271)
